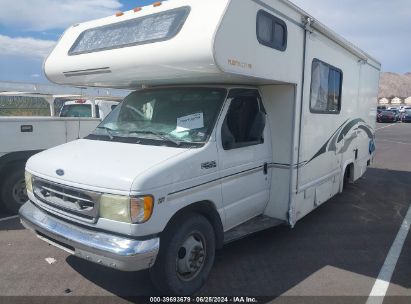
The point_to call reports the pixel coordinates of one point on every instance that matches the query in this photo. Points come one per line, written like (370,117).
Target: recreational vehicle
(252,115)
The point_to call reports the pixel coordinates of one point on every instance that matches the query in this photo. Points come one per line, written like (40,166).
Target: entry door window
(245,121)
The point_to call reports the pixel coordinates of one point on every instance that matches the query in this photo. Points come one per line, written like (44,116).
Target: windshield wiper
(163,136)
(108,131)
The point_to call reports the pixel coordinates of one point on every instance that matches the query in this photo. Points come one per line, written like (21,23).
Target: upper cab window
(326,86)
(245,121)
(148,29)
(271,31)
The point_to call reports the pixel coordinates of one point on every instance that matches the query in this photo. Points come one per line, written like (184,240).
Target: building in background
(396,101)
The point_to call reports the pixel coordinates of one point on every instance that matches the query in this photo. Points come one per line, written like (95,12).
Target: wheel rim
(191,256)
(19,192)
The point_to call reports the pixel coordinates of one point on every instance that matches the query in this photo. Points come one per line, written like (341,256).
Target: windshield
(171,115)
(76,110)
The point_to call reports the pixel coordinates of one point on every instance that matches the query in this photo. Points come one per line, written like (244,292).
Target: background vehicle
(397,114)
(87,108)
(406,116)
(387,116)
(22,137)
(378,115)
(223,141)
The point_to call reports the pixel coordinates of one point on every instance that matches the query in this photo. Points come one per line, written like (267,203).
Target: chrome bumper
(102,248)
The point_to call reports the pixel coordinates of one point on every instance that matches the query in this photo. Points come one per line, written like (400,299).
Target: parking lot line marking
(382,283)
(8,218)
(385,127)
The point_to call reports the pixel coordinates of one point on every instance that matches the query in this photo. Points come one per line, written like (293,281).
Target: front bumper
(102,248)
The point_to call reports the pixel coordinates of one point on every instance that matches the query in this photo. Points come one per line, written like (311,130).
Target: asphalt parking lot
(337,251)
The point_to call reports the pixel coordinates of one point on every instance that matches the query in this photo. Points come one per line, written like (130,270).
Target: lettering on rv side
(243,65)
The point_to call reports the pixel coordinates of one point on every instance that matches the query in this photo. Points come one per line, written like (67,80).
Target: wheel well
(209,211)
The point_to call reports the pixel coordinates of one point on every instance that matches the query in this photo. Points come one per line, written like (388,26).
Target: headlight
(136,210)
(29,184)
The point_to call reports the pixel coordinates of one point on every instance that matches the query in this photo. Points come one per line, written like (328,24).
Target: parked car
(406,116)
(397,114)
(386,116)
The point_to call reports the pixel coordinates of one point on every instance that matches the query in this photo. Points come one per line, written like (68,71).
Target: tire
(13,189)
(171,272)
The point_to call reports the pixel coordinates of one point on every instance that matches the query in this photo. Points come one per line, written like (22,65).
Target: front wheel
(187,251)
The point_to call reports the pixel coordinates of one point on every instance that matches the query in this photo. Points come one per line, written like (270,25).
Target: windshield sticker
(190,122)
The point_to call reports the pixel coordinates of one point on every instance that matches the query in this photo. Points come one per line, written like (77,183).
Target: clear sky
(30,28)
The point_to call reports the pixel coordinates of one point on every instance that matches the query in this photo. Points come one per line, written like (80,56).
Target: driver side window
(245,121)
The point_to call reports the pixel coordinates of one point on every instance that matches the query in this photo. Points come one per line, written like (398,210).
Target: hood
(100,164)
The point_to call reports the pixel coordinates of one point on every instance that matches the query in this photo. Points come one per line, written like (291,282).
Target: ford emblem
(60,172)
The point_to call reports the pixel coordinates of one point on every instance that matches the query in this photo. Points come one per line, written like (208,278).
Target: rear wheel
(187,251)
(13,189)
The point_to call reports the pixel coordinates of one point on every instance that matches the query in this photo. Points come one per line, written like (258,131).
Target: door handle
(265,169)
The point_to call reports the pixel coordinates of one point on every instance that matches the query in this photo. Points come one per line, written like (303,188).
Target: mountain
(395,85)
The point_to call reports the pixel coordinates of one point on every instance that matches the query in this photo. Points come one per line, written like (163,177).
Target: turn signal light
(137,9)
(118,14)
(155,4)
(141,209)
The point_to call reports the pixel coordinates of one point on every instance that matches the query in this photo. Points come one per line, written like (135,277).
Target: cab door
(244,150)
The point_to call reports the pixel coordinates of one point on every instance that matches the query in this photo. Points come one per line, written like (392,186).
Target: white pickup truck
(87,108)
(21,138)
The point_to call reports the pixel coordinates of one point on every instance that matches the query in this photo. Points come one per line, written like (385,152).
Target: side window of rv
(245,121)
(326,86)
(271,31)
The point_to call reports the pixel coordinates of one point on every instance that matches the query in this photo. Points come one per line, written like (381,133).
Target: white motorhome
(253,114)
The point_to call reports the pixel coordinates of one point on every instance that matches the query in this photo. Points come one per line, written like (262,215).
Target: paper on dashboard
(190,122)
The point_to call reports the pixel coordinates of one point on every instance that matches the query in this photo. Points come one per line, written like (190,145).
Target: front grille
(73,202)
